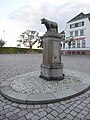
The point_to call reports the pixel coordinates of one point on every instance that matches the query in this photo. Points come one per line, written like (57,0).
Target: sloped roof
(80,16)
(63,32)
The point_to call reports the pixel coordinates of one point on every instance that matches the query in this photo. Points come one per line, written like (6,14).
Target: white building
(77,30)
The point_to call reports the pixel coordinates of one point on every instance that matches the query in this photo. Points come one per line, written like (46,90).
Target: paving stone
(15,104)
(86,109)
(5,100)
(22,113)
(48,110)
(62,107)
(9,114)
(67,101)
(86,101)
(12,108)
(13,117)
(35,118)
(72,99)
(23,106)
(81,116)
(80,107)
(2,117)
(59,110)
(88,106)
(41,114)
(37,106)
(74,105)
(78,102)
(57,118)
(22,118)
(83,104)
(4,111)
(16,111)
(7,106)
(54,107)
(35,111)
(54,113)
(62,115)
(71,107)
(76,118)
(73,113)
(44,106)
(9,102)
(50,105)
(77,110)
(1,108)
(30,106)
(29,115)
(88,117)
(67,111)
(70,117)
(84,112)
(49,116)
(67,105)
(29,110)
(62,102)
(44,118)
(6,119)
(41,109)
(56,104)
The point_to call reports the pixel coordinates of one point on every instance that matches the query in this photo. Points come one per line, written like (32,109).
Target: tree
(40,43)
(2,43)
(69,41)
(29,38)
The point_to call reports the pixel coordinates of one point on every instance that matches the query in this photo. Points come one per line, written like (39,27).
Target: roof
(63,32)
(80,16)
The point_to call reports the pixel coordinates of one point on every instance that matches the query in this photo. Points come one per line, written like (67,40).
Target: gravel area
(31,83)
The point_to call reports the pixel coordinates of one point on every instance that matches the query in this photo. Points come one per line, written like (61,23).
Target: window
(71,34)
(78,53)
(77,24)
(73,44)
(76,33)
(83,53)
(81,24)
(73,52)
(72,26)
(83,43)
(78,44)
(81,32)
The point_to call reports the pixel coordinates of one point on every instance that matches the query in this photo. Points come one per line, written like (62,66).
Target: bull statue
(50,25)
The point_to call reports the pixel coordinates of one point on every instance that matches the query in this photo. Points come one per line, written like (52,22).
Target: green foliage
(29,38)
(2,43)
(14,50)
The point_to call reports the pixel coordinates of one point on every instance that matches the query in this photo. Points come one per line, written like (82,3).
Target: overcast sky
(16,16)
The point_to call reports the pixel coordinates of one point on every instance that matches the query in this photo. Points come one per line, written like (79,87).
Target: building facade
(77,35)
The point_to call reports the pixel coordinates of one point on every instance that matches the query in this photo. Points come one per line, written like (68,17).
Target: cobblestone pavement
(77,108)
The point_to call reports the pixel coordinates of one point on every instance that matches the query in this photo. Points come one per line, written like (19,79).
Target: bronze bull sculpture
(50,25)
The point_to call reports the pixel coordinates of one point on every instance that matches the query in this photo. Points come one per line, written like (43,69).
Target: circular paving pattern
(30,89)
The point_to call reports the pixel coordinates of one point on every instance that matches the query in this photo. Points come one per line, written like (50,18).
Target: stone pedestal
(51,68)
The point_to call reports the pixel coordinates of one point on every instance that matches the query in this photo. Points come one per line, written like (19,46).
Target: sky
(16,16)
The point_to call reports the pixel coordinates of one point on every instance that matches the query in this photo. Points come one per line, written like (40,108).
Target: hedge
(15,50)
